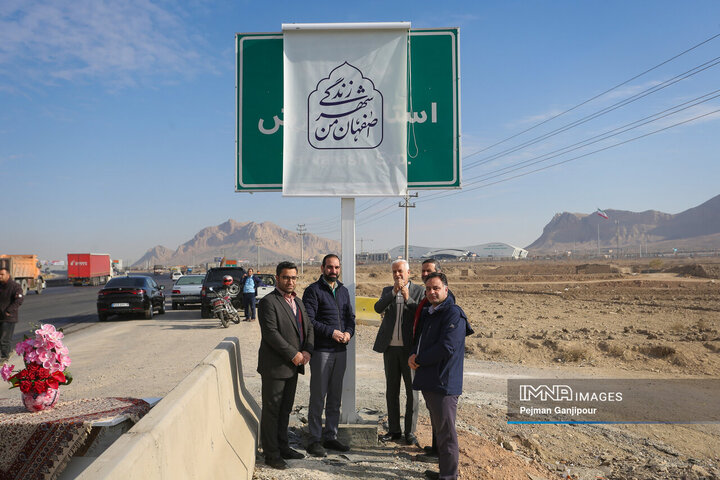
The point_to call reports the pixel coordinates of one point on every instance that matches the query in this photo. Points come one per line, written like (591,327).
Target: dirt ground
(610,322)
(542,319)
(651,319)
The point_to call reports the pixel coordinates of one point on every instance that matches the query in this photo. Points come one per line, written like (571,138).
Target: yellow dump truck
(25,270)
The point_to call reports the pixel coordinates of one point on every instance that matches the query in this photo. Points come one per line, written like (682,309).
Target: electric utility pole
(257,252)
(406,206)
(301,232)
(361,244)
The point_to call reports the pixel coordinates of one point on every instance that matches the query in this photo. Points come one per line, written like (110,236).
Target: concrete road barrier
(206,427)
(365,311)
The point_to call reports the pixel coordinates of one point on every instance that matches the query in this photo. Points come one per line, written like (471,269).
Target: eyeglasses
(288,278)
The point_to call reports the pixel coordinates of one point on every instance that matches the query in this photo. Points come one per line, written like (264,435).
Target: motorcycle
(222,306)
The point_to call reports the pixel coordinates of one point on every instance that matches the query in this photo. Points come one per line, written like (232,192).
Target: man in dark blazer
(11,297)
(398,303)
(285,349)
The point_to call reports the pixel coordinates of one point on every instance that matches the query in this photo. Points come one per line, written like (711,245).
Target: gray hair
(403,261)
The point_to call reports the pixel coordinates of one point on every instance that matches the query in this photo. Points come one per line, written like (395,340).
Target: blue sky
(117,119)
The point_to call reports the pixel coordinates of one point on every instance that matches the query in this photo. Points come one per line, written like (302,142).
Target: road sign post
(433,135)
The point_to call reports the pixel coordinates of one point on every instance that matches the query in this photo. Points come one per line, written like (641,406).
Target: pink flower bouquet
(46,359)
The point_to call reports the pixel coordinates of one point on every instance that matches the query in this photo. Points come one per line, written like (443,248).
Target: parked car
(186,291)
(213,279)
(269,281)
(175,275)
(130,294)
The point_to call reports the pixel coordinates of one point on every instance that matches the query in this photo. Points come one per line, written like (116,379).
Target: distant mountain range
(236,240)
(697,228)
(694,229)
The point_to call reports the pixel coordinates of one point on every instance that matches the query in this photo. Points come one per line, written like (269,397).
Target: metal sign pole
(348,411)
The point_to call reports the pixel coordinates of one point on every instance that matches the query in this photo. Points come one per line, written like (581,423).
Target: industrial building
(499,250)
(449,254)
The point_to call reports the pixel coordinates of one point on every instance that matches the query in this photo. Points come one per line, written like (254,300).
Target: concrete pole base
(358,435)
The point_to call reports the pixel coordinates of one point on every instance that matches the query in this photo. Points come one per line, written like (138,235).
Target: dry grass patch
(574,353)
(612,349)
(657,351)
(490,348)
(679,359)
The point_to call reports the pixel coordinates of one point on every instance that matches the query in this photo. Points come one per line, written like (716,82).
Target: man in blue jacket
(437,359)
(249,285)
(328,305)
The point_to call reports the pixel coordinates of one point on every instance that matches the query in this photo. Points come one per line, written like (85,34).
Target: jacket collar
(325,285)
(449,301)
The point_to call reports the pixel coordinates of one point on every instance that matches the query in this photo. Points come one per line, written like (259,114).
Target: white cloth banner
(345,120)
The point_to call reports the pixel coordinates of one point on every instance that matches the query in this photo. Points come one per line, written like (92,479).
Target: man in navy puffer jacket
(437,359)
(328,305)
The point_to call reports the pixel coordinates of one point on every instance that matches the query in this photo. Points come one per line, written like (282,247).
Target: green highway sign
(433,124)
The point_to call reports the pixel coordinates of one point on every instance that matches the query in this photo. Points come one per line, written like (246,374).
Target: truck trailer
(25,270)
(89,268)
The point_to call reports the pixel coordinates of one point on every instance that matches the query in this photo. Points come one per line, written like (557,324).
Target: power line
(447,194)
(596,96)
(603,136)
(633,98)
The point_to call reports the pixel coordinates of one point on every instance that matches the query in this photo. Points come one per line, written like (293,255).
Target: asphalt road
(70,308)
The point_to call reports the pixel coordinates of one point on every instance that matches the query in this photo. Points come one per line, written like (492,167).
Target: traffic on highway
(76,307)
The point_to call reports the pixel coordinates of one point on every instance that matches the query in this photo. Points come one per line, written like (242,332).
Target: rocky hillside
(697,228)
(237,240)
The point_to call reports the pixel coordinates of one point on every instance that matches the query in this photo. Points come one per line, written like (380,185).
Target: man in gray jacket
(398,303)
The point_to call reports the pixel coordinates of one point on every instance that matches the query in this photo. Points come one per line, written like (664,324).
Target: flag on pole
(345,109)
(602,214)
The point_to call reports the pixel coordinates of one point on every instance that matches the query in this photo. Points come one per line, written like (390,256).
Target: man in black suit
(398,303)
(285,349)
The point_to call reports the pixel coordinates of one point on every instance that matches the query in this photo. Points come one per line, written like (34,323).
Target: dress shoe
(276,462)
(290,454)
(390,436)
(335,444)
(316,450)
(430,451)
(411,439)
(432,474)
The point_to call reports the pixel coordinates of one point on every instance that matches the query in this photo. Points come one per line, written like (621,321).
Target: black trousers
(6,333)
(249,301)
(443,410)
(397,368)
(278,396)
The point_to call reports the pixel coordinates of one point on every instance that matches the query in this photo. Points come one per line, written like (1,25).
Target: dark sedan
(129,295)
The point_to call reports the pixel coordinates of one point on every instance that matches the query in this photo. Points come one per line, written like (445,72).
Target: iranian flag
(602,214)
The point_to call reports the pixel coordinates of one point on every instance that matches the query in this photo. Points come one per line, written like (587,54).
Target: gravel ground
(513,317)
(141,358)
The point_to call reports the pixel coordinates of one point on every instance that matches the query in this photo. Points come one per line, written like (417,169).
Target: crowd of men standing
(421,337)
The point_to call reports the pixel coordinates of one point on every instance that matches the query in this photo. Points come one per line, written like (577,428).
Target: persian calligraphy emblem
(345,111)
